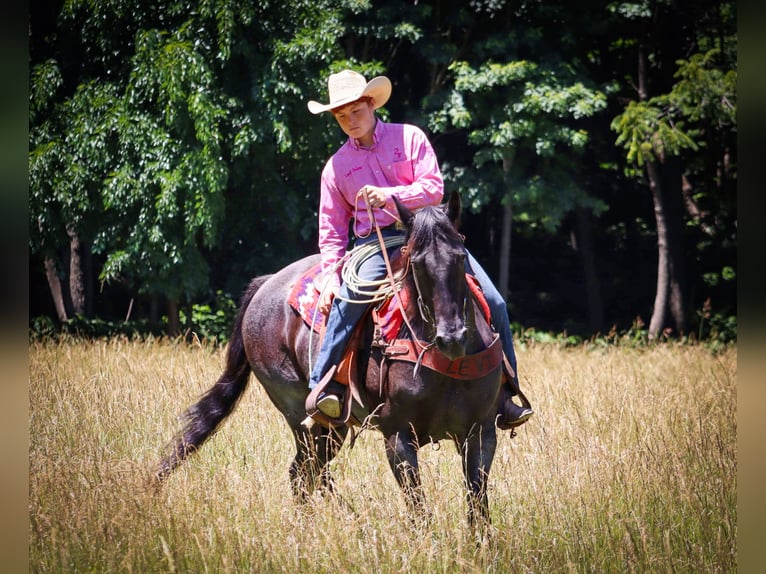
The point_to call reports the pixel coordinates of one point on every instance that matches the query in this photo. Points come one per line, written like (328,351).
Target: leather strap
(465,368)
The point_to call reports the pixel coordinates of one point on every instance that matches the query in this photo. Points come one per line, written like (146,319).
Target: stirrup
(520,416)
(511,415)
(513,383)
(315,397)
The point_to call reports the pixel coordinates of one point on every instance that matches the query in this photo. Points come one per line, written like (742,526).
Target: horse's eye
(459,256)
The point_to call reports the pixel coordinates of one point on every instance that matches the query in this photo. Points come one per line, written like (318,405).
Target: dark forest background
(172,157)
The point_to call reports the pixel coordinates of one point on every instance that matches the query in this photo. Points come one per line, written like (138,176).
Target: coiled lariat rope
(374,291)
(370,291)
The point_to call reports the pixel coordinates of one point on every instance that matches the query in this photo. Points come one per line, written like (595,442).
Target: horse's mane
(430,227)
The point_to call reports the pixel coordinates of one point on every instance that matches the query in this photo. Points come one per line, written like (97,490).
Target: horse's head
(437,259)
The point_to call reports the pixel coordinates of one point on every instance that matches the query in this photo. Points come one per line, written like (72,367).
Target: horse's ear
(404,212)
(454,207)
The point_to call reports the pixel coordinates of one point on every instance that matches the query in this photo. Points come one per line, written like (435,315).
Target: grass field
(629,465)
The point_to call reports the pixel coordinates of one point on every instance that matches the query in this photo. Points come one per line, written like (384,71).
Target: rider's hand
(325,299)
(376,195)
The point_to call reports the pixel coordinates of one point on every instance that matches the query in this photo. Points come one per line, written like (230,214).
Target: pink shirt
(400,159)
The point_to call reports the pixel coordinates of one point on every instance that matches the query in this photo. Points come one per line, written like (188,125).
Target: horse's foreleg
(402,453)
(477,453)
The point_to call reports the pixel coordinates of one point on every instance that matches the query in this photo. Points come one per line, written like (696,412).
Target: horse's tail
(204,417)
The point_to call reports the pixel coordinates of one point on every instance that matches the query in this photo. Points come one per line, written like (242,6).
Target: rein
(395,288)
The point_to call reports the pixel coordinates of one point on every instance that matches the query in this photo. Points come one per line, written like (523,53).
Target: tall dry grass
(628,466)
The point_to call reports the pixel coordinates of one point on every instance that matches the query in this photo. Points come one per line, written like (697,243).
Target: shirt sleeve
(334,217)
(427,185)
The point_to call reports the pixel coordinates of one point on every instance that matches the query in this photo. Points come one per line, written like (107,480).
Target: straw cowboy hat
(348,86)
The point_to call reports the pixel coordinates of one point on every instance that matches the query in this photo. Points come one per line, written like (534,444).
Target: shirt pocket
(404,172)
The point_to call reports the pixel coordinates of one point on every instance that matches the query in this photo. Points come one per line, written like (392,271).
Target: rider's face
(357,120)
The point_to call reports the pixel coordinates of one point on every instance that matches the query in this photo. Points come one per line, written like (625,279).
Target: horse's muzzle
(452,345)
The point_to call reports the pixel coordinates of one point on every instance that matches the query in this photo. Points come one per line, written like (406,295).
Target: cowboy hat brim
(379,89)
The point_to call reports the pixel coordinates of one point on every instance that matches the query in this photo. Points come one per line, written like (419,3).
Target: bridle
(396,287)
(426,312)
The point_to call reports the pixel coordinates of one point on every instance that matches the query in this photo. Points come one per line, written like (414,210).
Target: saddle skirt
(304,297)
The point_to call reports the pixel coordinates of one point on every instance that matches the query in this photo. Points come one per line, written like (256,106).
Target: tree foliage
(514,106)
(141,150)
(669,123)
(172,139)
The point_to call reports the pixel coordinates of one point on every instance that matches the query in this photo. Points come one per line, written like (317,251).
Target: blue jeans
(497,309)
(344,316)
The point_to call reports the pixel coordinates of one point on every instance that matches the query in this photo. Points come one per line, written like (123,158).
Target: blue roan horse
(409,406)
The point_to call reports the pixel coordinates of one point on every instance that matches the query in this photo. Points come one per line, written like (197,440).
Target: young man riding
(379,160)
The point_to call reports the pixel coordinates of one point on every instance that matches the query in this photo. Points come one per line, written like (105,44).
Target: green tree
(664,134)
(172,154)
(524,126)
(70,147)
(130,153)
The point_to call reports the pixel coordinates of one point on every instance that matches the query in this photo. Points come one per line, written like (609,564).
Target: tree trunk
(663,267)
(76,274)
(664,274)
(90,280)
(174,323)
(154,310)
(54,283)
(672,186)
(584,247)
(505,249)
(505,236)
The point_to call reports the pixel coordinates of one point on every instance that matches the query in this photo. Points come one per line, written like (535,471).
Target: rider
(379,160)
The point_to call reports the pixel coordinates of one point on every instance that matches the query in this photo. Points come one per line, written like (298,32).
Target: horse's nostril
(452,345)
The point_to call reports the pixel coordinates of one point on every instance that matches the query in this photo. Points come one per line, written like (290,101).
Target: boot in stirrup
(510,414)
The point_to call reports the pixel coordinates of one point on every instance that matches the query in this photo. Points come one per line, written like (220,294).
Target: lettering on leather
(465,368)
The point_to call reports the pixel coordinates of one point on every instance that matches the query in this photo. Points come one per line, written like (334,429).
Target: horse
(412,402)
